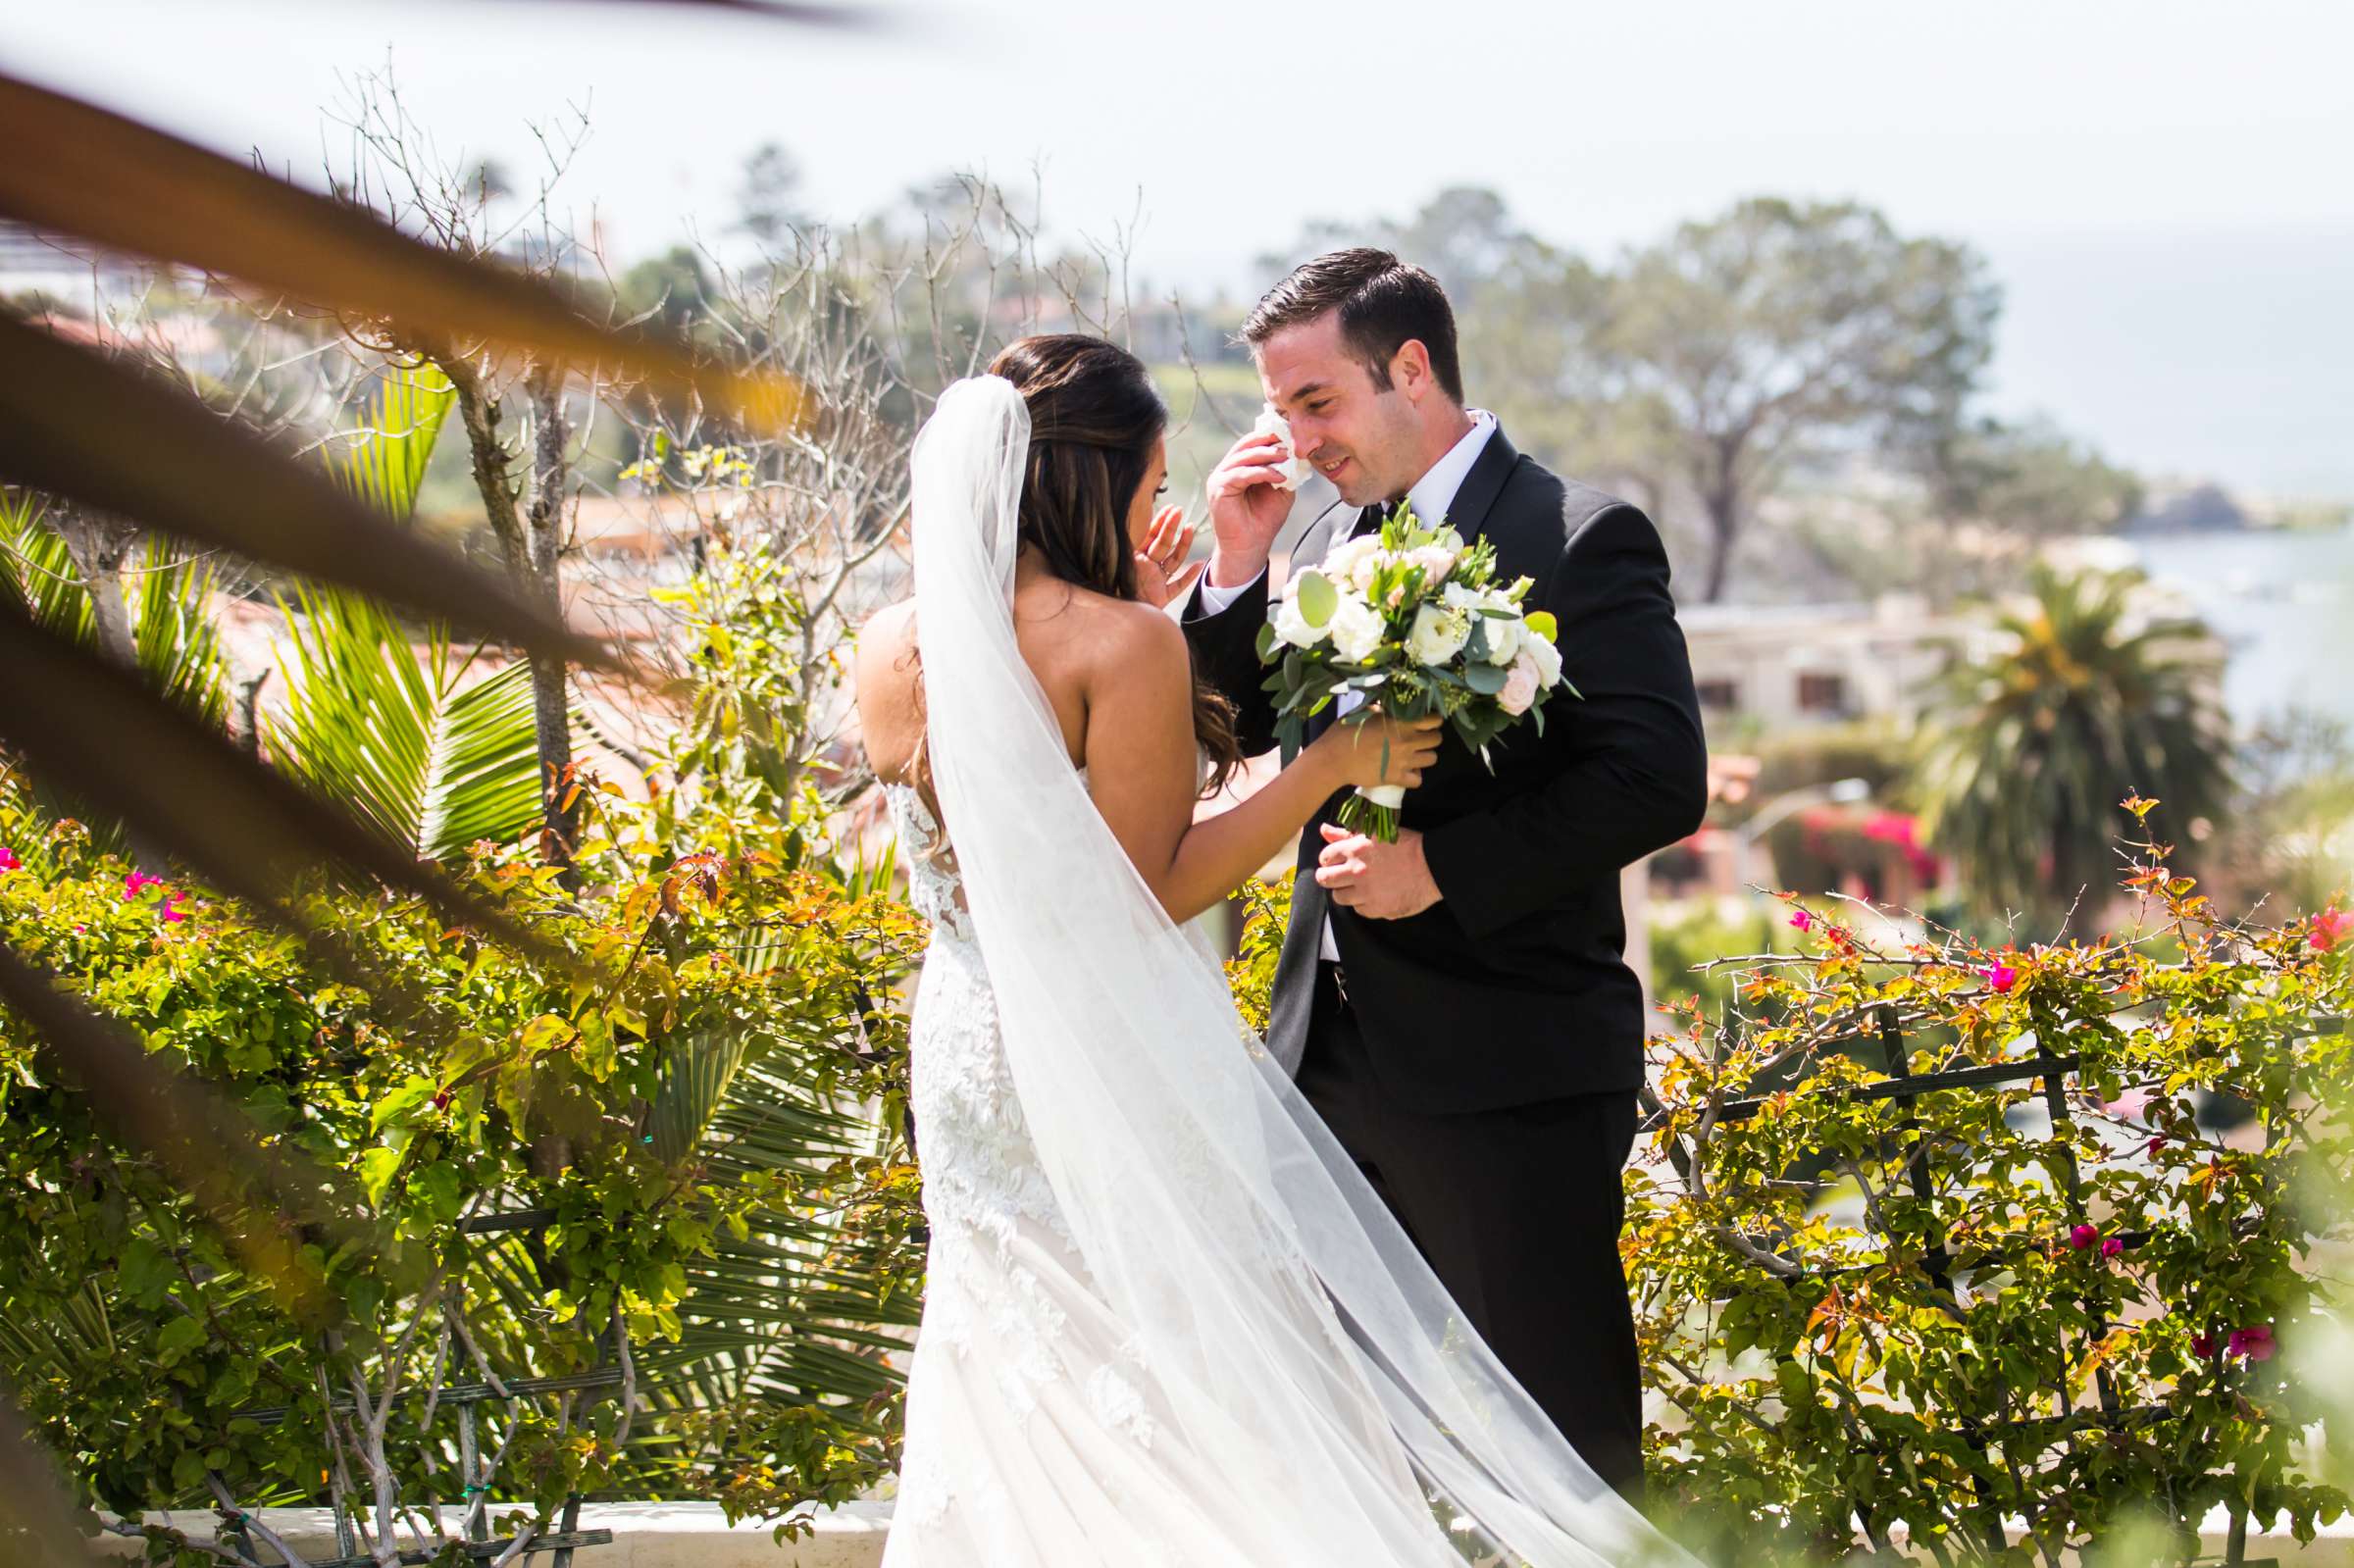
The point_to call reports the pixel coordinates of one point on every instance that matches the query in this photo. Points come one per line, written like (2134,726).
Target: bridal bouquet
(1412,620)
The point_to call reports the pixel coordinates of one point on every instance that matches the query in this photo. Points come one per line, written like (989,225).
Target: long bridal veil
(1316,1388)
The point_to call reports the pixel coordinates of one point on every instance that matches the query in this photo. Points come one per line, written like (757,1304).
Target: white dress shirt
(1431,495)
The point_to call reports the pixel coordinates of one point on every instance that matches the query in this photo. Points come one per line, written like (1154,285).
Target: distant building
(1777,666)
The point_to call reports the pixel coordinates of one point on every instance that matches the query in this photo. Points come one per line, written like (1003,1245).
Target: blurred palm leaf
(123,442)
(130,187)
(99,433)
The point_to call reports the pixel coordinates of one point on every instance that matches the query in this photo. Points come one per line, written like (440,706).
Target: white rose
(1292,626)
(1505,638)
(1353,561)
(1437,637)
(1519,686)
(1294,467)
(1434,560)
(1548,661)
(1355,629)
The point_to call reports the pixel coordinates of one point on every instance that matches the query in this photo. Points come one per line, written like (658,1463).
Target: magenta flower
(1999,976)
(2154,1145)
(2111,1246)
(137,882)
(2202,1346)
(2329,928)
(2082,1237)
(171,915)
(2255,1343)
(1801,919)
(8,861)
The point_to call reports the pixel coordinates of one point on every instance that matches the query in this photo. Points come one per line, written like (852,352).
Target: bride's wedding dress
(1030,1433)
(1166,1319)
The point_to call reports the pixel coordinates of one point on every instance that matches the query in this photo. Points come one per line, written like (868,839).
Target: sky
(2161,186)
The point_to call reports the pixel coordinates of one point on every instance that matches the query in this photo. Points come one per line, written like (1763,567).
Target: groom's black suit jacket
(1513,987)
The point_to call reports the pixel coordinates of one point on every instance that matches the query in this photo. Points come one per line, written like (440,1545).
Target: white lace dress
(1031,1422)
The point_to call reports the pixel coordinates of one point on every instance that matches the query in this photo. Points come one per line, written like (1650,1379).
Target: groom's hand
(1380,881)
(1246,509)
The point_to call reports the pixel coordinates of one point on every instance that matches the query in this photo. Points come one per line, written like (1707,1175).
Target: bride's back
(1063,631)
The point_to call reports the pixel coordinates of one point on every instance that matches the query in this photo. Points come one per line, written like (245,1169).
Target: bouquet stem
(1374,811)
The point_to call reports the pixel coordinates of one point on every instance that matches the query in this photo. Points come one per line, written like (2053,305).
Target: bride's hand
(1162,574)
(1381,751)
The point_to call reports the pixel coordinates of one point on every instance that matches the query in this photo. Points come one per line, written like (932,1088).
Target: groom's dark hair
(1382,300)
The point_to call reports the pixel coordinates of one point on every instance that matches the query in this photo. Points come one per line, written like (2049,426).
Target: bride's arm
(1142,770)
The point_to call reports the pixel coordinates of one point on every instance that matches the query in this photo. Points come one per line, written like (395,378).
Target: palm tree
(2084,701)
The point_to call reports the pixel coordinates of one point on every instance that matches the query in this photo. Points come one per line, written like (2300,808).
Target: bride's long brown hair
(1095,417)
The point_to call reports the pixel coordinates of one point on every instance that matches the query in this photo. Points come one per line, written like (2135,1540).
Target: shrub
(702,1087)
(1952,1309)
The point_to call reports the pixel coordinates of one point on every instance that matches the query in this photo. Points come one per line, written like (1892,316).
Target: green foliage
(1700,933)
(383,461)
(2083,701)
(166,593)
(398,734)
(695,1097)
(1846,1351)
(755,666)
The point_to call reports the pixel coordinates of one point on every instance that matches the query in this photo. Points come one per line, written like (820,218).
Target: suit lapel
(1476,497)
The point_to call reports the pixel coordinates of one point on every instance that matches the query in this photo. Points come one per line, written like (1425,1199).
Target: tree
(2032,479)
(766,207)
(2084,701)
(1781,332)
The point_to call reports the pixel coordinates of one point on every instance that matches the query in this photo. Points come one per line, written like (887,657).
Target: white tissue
(1294,467)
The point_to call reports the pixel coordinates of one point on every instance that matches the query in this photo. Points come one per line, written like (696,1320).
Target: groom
(1456,1005)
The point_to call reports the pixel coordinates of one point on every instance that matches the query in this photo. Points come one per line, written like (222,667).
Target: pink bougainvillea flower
(2254,1341)
(2202,1346)
(2329,928)
(2082,1237)
(1999,976)
(2132,1103)
(2111,1246)
(2154,1145)
(8,861)
(1802,920)
(138,882)
(171,915)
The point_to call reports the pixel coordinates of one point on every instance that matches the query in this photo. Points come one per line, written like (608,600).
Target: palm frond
(383,461)
(396,733)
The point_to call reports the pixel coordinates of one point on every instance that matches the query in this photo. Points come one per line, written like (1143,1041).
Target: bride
(1167,1321)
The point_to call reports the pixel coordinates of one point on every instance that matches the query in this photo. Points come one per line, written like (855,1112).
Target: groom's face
(1354,432)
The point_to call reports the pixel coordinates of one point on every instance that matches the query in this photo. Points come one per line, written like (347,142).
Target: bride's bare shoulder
(890,713)
(1131,646)
(885,636)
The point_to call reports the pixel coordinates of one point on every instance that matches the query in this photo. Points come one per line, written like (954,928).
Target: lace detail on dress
(1013,1328)
(933,887)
